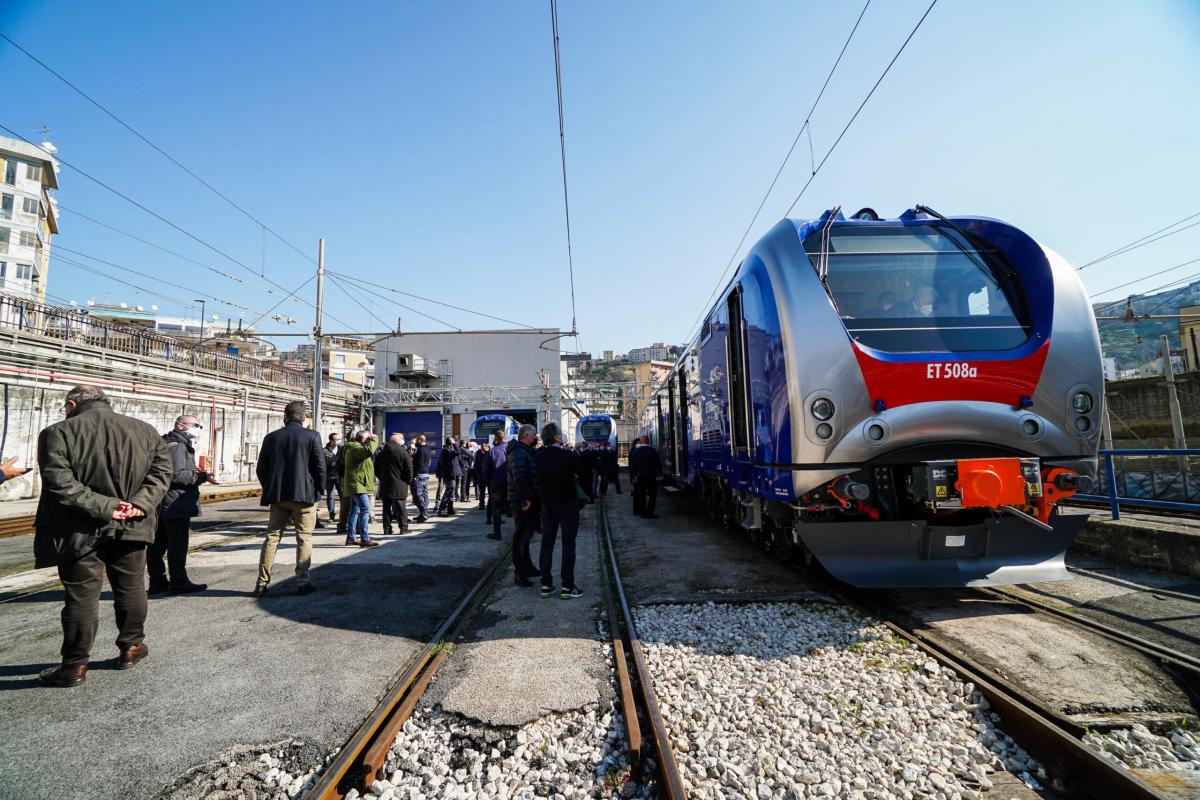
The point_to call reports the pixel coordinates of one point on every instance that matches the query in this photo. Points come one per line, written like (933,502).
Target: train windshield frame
(595,430)
(922,288)
(487,428)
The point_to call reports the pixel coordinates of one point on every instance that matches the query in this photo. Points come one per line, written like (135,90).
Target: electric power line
(1145,277)
(562,146)
(800,133)
(342,286)
(1136,243)
(158,149)
(381,287)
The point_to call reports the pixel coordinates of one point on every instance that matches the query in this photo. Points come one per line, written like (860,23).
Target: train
(597,428)
(906,401)
(484,427)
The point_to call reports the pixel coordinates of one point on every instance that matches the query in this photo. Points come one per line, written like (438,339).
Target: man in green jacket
(359,481)
(103,477)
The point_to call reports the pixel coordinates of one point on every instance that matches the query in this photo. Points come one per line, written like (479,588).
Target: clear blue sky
(420,139)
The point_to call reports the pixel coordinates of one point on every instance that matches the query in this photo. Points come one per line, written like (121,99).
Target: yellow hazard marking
(941,491)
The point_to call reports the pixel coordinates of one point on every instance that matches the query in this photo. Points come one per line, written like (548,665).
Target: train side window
(737,371)
(681,425)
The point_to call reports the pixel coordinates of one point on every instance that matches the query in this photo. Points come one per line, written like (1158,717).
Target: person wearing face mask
(182,502)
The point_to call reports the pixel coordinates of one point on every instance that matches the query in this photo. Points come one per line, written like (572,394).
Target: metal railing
(79,327)
(1141,481)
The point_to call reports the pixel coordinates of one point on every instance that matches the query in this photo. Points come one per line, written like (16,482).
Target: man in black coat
(466,457)
(587,470)
(645,470)
(334,455)
(558,482)
(523,500)
(393,471)
(181,503)
(449,473)
(481,488)
(103,478)
(291,470)
(610,471)
(495,476)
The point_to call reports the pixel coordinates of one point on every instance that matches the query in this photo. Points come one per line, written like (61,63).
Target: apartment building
(28,218)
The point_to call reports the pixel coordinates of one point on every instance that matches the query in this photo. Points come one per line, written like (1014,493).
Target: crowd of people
(117,500)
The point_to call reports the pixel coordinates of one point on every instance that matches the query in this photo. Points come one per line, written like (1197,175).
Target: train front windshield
(487,428)
(911,289)
(596,430)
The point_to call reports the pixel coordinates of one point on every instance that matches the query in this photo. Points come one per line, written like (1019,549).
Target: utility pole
(201,302)
(245,433)
(317,358)
(1172,395)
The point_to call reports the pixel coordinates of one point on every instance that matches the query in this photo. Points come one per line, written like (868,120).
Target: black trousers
(464,488)
(606,478)
(125,565)
(481,489)
(446,504)
(554,517)
(497,507)
(395,509)
(645,496)
(171,539)
(526,521)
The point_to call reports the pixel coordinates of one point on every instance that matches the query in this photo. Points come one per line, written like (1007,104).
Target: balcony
(410,366)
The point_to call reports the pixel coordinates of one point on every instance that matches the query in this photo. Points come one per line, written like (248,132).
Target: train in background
(485,426)
(595,428)
(905,400)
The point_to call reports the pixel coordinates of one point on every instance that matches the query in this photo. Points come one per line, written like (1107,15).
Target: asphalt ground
(225,668)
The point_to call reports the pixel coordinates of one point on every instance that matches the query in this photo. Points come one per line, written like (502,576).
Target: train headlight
(1031,427)
(1083,424)
(1082,402)
(822,408)
(875,432)
(824,430)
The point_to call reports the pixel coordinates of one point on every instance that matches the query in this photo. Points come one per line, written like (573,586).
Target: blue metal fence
(1135,482)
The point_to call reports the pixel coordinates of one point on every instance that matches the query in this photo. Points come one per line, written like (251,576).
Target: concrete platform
(525,656)
(225,668)
(1151,541)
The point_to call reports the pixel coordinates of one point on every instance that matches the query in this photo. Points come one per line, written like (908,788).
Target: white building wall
(477,358)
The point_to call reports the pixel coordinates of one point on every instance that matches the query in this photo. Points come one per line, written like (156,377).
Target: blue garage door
(411,423)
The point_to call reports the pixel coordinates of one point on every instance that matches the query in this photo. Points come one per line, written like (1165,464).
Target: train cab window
(926,288)
(737,372)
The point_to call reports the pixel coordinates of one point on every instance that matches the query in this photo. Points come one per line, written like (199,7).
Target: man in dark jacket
(610,471)
(587,470)
(523,500)
(333,474)
(495,477)
(645,470)
(103,477)
(466,460)
(291,470)
(558,479)
(449,473)
(420,486)
(394,472)
(181,503)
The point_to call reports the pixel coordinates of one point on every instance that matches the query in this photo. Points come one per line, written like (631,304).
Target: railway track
(363,758)
(23,525)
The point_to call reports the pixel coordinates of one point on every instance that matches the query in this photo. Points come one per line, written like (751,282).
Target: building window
(4,236)
(29,205)
(33,172)
(6,206)
(10,171)
(3,269)
(341,376)
(24,272)
(339,360)
(28,239)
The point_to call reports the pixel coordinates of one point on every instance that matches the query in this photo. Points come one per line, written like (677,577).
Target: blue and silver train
(596,428)
(484,427)
(905,400)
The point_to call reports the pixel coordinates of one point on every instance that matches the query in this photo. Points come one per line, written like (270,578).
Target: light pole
(201,302)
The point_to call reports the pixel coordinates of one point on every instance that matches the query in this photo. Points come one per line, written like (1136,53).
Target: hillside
(1134,343)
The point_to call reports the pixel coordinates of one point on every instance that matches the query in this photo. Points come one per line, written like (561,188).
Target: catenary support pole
(246,435)
(317,354)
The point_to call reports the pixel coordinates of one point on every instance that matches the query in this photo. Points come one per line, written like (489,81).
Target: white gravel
(796,701)
(1138,748)
(277,771)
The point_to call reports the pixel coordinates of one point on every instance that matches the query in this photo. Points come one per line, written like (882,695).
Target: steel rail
(23,525)
(671,782)
(633,728)
(364,756)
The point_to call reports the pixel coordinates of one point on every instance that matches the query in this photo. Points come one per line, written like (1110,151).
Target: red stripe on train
(900,383)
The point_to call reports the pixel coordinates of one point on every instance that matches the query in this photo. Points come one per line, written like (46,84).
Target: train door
(681,416)
(739,423)
(669,444)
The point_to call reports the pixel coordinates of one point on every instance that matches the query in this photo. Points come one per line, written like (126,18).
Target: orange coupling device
(991,482)
(1058,484)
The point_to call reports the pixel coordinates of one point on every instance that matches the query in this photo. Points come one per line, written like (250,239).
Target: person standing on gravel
(558,482)
(182,502)
(523,500)
(291,471)
(420,486)
(360,486)
(103,477)
(394,471)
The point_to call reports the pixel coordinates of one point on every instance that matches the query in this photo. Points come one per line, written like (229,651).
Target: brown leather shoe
(63,677)
(369,543)
(130,656)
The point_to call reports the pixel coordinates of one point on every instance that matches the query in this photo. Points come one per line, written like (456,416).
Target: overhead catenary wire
(1136,243)
(806,126)
(154,146)
(562,146)
(159,217)
(343,282)
(393,290)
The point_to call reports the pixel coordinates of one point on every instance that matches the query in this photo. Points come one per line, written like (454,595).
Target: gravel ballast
(794,701)
(1138,748)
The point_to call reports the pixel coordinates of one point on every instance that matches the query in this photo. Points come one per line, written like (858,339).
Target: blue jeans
(360,515)
(331,483)
(420,493)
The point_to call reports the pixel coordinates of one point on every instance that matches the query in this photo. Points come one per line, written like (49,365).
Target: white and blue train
(594,428)
(485,426)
